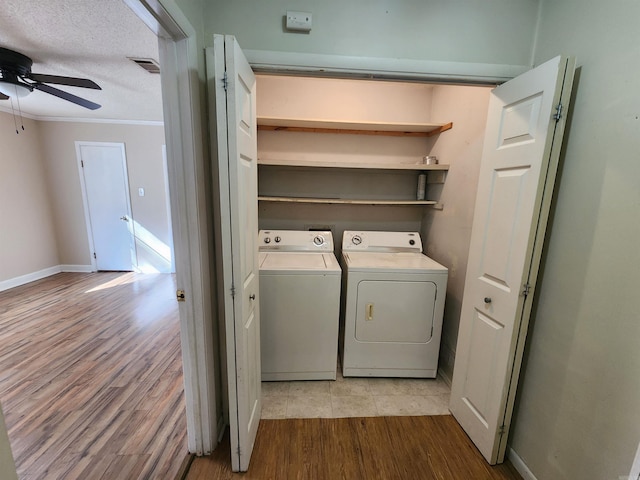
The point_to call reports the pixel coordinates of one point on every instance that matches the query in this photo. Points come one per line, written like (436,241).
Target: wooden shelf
(354,128)
(345,201)
(352,165)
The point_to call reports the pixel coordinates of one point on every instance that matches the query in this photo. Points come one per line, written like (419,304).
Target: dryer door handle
(369,311)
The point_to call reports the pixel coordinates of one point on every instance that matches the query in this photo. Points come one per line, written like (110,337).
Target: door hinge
(82,163)
(526,288)
(225,81)
(180,295)
(558,115)
(502,430)
(233,291)
(94,255)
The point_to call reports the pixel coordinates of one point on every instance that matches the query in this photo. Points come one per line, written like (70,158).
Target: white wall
(494,31)
(27,237)
(578,414)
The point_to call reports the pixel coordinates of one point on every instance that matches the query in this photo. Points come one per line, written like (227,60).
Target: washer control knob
(267,240)
(412,242)
(356,240)
(318,240)
(277,239)
(487,299)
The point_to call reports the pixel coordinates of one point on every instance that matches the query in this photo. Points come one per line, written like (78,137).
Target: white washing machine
(393,306)
(299,305)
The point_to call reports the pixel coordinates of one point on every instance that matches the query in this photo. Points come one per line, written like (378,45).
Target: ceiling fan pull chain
(20,112)
(13,112)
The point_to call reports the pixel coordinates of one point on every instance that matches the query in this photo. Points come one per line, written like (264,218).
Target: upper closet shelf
(351,165)
(358,128)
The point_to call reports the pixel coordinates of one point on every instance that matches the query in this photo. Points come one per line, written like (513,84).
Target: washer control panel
(295,240)
(367,241)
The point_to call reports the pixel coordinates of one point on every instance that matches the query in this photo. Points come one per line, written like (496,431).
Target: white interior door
(107,203)
(519,162)
(234,138)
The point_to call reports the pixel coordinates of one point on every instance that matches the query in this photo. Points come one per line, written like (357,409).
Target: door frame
(183,122)
(85,199)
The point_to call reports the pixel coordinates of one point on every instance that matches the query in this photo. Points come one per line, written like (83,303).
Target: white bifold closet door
(234,142)
(522,144)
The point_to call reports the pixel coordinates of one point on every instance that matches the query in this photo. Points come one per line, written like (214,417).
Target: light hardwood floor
(373,448)
(91,377)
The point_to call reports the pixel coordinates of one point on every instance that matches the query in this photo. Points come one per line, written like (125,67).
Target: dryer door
(395,311)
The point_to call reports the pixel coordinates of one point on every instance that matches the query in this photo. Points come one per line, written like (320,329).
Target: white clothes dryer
(299,305)
(393,298)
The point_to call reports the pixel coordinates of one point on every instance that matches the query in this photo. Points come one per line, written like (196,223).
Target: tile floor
(355,397)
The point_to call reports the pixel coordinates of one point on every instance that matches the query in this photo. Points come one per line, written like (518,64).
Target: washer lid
(298,262)
(392,262)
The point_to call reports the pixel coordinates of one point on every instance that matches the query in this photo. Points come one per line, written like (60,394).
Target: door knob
(124,218)
(487,299)
(252,296)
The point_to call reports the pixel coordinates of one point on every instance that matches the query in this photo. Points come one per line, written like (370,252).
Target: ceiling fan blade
(58,80)
(66,96)
(3,97)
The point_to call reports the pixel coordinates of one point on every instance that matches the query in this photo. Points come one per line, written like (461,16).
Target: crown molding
(40,118)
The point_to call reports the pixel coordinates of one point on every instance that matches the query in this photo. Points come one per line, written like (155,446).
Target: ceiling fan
(16,80)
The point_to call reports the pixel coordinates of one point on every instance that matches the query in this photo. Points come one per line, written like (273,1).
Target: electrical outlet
(299,21)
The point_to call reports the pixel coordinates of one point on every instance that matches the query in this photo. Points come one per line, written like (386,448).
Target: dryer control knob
(318,240)
(356,240)
(412,242)
(267,240)
(277,239)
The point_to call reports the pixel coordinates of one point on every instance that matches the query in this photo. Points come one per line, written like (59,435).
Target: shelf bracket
(443,128)
(438,206)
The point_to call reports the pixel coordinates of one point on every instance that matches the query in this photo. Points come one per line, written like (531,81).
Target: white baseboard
(445,376)
(76,268)
(40,274)
(520,466)
(29,277)
(445,363)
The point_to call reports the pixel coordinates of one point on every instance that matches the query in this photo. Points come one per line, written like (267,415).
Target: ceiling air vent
(148,64)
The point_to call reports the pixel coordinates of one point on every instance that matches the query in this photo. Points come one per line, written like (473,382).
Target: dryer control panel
(295,241)
(367,241)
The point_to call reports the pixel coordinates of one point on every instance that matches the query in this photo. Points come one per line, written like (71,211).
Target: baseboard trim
(29,277)
(77,268)
(520,466)
(40,274)
(445,376)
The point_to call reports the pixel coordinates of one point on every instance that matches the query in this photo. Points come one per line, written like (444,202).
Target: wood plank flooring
(91,377)
(380,448)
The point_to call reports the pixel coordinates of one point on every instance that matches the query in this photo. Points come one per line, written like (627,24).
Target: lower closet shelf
(345,201)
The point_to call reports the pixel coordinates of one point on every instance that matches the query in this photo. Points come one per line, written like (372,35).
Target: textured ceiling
(89,39)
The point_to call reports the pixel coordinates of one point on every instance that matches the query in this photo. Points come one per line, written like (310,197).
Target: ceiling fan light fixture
(13,90)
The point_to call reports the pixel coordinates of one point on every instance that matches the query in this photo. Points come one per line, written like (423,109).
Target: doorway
(283,175)
(552,82)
